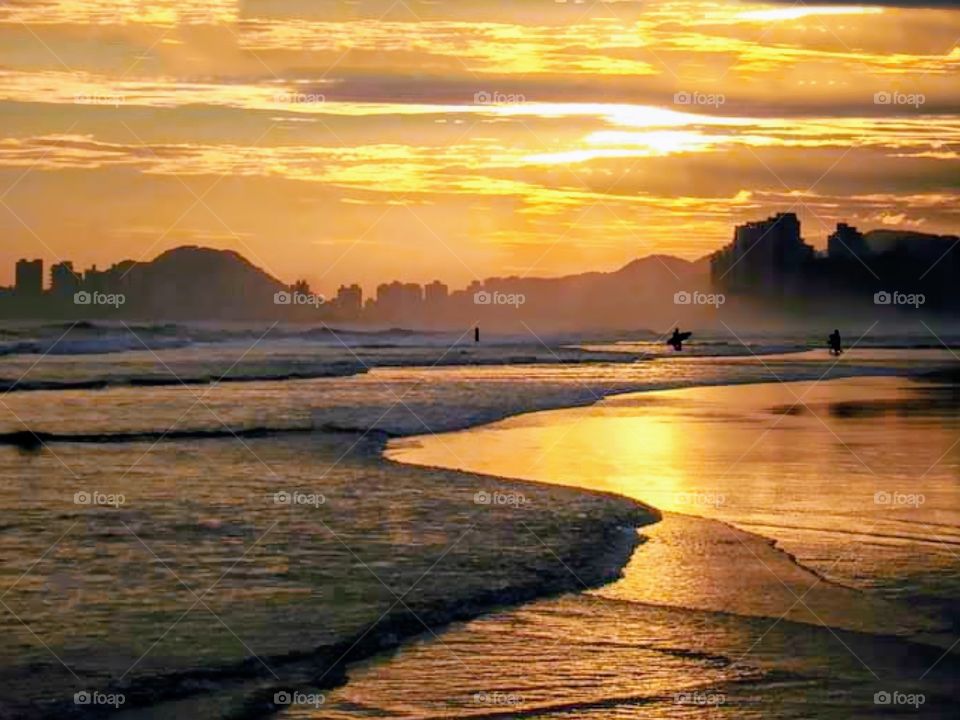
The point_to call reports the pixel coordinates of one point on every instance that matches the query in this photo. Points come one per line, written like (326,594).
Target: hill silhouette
(640,294)
(192,282)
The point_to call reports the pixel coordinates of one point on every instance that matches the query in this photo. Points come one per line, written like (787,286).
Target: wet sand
(795,573)
(847,481)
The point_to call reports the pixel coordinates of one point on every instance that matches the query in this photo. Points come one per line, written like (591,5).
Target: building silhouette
(846,242)
(435,293)
(350,300)
(95,280)
(29,278)
(64,282)
(765,257)
(397,300)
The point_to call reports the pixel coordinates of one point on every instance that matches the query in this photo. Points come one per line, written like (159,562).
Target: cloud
(917,4)
(315,118)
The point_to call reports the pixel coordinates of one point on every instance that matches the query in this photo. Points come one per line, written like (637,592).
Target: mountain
(200,283)
(189,283)
(196,283)
(641,294)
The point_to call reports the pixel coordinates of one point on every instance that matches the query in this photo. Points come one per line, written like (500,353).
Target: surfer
(836,346)
(677,339)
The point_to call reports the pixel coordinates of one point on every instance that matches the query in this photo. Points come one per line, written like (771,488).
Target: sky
(371,140)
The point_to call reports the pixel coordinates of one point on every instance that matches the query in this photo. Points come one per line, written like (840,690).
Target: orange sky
(375,140)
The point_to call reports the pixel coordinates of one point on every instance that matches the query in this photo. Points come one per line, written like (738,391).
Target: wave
(602,550)
(335,369)
(869,535)
(34,440)
(97,338)
(93,346)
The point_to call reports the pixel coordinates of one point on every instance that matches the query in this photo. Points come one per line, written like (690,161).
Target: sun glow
(803,11)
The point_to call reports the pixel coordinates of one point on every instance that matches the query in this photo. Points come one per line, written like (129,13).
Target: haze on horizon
(378,139)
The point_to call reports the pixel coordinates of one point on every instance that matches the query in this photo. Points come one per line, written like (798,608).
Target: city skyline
(845,240)
(8,273)
(767,259)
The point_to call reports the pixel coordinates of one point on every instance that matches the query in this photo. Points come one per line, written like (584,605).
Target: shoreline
(929,647)
(590,556)
(932,390)
(608,540)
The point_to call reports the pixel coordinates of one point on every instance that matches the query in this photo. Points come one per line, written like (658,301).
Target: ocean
(256,521)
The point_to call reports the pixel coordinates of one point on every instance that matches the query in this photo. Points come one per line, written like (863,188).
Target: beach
(772,563)
(424,539)
(483,360)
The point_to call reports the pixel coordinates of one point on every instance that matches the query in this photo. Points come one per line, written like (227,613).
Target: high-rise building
(847,242)
(435,293)
(350,300)
(399,301)
(29,281)
(411,298)
(64,282)
(764,255)
(388,294)
(95,280)
(388,300)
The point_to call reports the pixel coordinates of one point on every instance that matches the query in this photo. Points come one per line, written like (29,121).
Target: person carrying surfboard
(676,340)
(835,343)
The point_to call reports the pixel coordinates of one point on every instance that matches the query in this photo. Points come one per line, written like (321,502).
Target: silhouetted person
(676,340)
(835,343)
(476,334)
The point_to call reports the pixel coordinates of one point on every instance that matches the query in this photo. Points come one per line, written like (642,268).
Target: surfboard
(682,337)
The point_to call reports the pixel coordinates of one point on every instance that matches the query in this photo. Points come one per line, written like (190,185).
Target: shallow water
(858,479)
(182,565)
(99,587)
(587,657)
(858,487)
